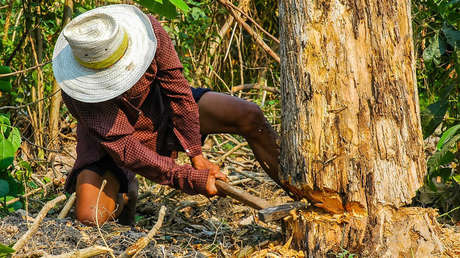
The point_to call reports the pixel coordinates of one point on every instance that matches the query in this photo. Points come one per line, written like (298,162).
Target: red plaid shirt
(134,128)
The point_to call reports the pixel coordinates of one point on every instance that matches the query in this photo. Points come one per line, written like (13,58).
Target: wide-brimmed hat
(103,52)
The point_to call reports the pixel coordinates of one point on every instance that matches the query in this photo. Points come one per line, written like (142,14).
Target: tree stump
(351,139)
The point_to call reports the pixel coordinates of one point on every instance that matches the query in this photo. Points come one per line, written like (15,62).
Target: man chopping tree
(122,80)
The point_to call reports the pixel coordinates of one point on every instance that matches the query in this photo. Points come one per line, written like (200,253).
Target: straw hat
(103,52)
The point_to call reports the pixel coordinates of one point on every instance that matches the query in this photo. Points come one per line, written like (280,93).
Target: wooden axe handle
(242,196)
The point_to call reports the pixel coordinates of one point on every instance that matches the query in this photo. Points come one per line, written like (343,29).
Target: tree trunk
(351,135)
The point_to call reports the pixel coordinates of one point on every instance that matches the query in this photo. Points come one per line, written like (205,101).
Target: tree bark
(351,140)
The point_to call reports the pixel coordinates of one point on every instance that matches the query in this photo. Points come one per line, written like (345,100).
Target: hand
(200,162)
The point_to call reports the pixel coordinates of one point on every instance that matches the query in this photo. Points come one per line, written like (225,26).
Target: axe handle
(242,196)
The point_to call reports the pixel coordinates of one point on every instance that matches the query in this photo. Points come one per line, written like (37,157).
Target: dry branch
(241,181)
(248,86)
(250,31)
(25,70)
(144,241)
(254,22)
(83,253)
(41,215)
(67,206)
(221,159)
(246,174)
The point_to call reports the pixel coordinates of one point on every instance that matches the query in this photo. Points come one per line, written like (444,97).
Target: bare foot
(127,216)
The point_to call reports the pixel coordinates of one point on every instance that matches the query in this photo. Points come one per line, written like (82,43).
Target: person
(122,80)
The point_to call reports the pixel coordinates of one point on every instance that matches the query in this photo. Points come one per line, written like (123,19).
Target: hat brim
(92,86)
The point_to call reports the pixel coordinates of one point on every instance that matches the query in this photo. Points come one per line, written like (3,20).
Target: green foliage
(166,8)
(10,140)
(10,186)
(436,25)
(5,251)
(442,187)
(437,40)
(438,163)
(345,254)
(5,82)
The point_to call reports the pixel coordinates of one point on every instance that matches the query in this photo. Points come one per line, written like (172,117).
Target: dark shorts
(107,164)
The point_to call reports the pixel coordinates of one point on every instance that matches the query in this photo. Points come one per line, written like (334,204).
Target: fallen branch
(83,253)
(250,31)
(248,86)
(67,206)
(31,103)
(41,215)
(221,159)
(246,174)
(38,181)
(241,181)
(144,241)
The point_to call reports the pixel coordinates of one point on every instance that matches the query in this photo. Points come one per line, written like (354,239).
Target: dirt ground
(194,226)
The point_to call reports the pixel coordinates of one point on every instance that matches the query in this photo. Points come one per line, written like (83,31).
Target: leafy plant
(10,140)
(437,38)
(5,251)
(345,254)
(166,8)
(436,26)
(442,189)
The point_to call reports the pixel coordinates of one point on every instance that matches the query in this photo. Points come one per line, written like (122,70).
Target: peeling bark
(351,133)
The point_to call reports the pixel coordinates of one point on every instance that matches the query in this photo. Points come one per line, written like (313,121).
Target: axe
(266,212)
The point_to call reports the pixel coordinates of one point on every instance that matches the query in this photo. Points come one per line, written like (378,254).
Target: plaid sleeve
(111,128)
(177,89)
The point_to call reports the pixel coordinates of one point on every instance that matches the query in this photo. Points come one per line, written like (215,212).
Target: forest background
(218,51)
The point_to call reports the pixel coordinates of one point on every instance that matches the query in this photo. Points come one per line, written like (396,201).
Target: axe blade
(280,211)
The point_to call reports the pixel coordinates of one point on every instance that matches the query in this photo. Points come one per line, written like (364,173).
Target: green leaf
(432,116)
(444,173)
(435,50)
(5,82)
(452,36)
(4,119)
(181,5)
(457,178)
(5,250)
(15,138)
(16,187)
(444,156)
(15,205)
(447,135)
(8,146)
(7,152)
(164,8)
(4,188)
(24,170)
